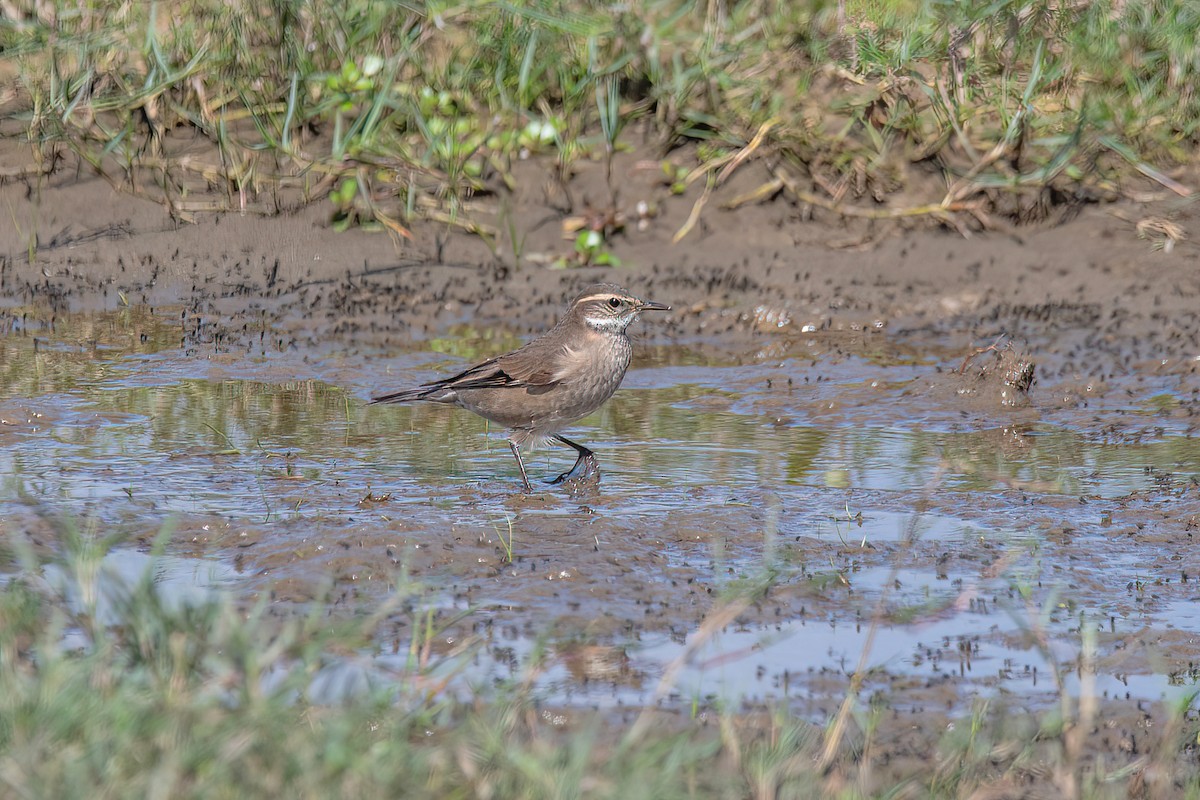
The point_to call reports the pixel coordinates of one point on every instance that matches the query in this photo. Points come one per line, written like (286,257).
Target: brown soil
(1090,299)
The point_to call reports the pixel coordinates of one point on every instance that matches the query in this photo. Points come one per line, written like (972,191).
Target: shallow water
(954,543)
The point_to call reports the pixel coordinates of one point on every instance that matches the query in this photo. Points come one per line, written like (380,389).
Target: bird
(551,382)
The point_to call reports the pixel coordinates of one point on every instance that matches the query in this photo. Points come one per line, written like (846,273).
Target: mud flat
(964,469)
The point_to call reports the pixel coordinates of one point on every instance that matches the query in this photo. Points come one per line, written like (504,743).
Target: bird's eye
(614,302)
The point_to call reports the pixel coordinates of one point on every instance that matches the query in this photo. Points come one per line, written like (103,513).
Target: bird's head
(608,308)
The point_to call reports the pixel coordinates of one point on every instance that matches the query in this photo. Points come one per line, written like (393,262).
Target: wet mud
(957,457)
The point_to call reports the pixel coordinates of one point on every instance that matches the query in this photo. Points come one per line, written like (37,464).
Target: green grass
(398,111)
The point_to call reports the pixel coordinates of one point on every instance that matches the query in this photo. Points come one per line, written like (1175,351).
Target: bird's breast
(597,368)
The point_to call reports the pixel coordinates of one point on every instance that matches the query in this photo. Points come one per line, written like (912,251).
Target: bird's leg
(586,465)
(521,466)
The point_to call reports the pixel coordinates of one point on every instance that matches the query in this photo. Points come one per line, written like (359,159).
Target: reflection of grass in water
(272,424)
(473,346)
(301,429)
(41,354)
(130,329)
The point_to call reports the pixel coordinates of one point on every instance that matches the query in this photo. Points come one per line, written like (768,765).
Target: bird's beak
(649,306)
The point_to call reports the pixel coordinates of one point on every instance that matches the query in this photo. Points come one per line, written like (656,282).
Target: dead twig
(943,210)
(764,192)
(27,171)
(1141,166)
(994,347)
(1161,232)
(694,217)
(728,165)
(717,619)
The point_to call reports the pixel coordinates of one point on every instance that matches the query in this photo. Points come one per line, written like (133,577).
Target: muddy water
(963,553)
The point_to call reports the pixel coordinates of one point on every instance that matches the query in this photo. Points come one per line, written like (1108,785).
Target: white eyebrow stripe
(601,296)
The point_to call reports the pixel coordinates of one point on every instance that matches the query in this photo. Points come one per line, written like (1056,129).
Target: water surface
(951,550)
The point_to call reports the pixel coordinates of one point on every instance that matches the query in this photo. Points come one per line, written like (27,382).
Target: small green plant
(352,85)
(507,544)
(675,177)
(592,250)
(345,212)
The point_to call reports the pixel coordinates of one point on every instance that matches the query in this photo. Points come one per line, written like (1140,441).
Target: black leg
(521,466)
(586,465)
(583,451)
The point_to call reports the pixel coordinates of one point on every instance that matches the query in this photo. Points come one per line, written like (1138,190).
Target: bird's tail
(407,395)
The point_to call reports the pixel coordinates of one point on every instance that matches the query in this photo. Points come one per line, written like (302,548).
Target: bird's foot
(586,468)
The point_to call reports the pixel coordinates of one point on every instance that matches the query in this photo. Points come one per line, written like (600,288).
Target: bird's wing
(542,362)
(487,375)
(491,374)
(537,365)
(532,365)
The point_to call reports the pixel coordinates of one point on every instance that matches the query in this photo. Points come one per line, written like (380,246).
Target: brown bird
(551,382)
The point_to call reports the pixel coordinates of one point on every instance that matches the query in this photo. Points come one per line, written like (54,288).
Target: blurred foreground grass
(398,111)
(116,688)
